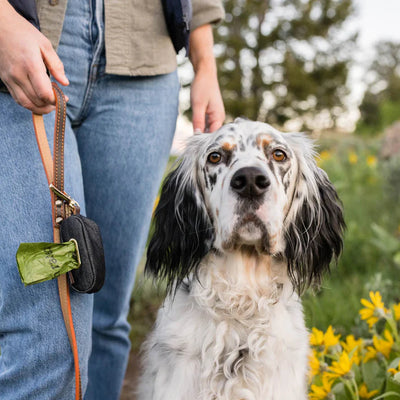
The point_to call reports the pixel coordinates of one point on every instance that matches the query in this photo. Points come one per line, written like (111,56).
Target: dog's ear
(314,236)
(183,233)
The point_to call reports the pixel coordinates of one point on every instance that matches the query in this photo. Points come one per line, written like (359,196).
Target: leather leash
(62,207)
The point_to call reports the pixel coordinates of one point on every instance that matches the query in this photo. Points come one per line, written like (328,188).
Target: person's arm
(24,55)
(207,105)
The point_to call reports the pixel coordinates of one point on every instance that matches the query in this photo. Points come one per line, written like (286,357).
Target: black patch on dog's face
(183,231)
(213,179)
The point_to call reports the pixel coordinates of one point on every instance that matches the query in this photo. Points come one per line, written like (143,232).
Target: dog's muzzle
(250,182)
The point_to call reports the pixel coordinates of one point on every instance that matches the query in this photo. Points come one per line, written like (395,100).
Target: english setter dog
(244,224)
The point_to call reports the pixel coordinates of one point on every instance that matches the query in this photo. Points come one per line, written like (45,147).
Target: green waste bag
(39,262)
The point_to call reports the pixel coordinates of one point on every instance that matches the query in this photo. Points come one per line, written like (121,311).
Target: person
(118,68)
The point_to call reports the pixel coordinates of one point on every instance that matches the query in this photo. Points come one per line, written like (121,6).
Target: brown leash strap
(54,168)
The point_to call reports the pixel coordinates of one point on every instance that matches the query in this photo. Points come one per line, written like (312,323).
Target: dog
(245,223)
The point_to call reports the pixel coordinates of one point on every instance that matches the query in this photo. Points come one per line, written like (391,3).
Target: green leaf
(388,396)
(384,241)
(341,392)
(394,363)
(374,375)
(393,384)
(396,258)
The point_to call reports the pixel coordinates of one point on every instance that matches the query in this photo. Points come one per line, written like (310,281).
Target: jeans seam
(97,18)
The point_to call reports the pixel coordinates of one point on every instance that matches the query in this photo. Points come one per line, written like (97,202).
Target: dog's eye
(214,157)
(279,155)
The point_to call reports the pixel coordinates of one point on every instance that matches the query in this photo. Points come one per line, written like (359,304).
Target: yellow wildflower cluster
(321,341)
(356,368)
(371,160)
(354,157)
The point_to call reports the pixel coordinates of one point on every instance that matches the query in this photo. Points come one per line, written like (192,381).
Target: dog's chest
(247,346)
(258,357)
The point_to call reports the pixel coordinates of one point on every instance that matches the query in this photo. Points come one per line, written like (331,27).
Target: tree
(381,103)
(281,60)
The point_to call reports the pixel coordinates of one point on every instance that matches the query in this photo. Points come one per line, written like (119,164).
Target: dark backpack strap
(178,16)
(27,8)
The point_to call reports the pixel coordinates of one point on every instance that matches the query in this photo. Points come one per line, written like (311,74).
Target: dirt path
(130,378)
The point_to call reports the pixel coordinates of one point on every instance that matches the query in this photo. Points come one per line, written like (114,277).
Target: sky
(377,19)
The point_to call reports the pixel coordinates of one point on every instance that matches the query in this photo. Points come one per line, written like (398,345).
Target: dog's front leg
(168,376)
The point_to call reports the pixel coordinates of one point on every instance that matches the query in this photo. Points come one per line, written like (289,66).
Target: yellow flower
(315,365)
(374,310)
(371,161)
(370,354)
(321,392)
(342,367)
(323,341)
(351,344)
(316,337)
(364,394)
(330,338)
(353,158)
(325,155)
(381,346)
(396,309)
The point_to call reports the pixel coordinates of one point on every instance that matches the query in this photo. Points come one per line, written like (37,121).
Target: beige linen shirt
(136,36)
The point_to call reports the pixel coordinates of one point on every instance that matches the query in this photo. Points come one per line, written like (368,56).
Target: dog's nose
(250,182)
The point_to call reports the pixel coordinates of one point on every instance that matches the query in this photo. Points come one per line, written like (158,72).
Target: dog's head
(247,186)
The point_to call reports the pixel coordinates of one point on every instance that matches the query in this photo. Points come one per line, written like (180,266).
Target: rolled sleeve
(206,12)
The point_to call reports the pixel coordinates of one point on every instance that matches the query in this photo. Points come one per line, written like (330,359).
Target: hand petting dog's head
(247,187)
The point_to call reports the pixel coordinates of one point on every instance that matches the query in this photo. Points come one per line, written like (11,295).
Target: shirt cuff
(206,12)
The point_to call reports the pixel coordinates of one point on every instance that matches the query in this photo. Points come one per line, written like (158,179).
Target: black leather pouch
(89,278)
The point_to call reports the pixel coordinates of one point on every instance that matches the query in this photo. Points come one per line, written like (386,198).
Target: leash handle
(61,208)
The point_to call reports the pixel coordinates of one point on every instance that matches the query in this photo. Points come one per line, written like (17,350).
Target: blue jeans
(118,137)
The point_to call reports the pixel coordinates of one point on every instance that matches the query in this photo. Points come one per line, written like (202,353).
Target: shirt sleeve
(206,12)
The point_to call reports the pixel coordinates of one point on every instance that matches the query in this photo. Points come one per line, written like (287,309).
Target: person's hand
(207,105)
(208,113)
(24,55)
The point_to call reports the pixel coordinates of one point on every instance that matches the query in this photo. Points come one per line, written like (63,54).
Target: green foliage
(390,111)
(369,260)
(380,106)
(281,60)
(376,114)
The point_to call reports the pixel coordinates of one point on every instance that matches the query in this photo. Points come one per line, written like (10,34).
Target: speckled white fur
(237,333)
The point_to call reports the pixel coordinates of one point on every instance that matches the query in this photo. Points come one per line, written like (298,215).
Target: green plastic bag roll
(38,262)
